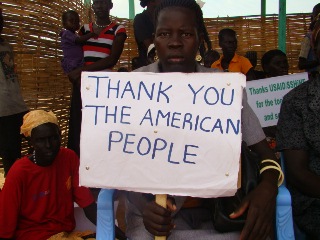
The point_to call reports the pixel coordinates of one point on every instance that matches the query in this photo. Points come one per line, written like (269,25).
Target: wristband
(271,161)
(281,177)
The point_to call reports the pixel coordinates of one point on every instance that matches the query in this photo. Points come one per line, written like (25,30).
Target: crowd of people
(36,201)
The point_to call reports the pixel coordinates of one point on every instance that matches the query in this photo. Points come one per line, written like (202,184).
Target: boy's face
(102,7)
(278,66)
(72,22)
(228,44)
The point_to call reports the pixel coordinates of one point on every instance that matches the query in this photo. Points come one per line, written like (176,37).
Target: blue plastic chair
(284,220)
(105,215)
(298,234)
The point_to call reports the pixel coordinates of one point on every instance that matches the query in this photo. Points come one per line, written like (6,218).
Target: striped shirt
(98,48)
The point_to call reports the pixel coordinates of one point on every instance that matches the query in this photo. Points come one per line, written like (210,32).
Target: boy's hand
(93,35)
(75,76)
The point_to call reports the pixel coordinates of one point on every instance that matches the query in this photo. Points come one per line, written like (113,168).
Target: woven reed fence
(261,34)
(33,26)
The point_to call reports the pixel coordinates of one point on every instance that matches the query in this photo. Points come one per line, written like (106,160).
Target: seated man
(275,63)
(230,61)
(36,201)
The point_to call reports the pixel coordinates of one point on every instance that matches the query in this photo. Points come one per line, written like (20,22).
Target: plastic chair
(298,234)
(105,215)
(284,220)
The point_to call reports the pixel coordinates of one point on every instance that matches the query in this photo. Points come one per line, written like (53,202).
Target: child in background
(71,42)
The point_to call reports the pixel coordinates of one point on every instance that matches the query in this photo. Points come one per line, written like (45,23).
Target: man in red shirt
(36,201)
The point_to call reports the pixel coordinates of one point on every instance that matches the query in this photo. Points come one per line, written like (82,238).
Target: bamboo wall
(261,34)
(33,26)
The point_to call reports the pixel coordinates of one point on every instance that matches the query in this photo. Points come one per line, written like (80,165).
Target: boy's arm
(91,212)
(102,64)
(86,37)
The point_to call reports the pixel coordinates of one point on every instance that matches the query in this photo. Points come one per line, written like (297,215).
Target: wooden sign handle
(161,199)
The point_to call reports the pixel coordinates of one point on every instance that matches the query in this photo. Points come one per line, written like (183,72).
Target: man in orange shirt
(230,61)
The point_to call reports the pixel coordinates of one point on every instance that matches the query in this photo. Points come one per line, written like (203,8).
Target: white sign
(265,95)
(169,133)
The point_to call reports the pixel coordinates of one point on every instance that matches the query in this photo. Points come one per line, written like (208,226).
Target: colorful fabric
(299,129)
(238,64)
(11,101)
(72,236)
(72,52)
(35,118)
(38,201)
(100,48)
